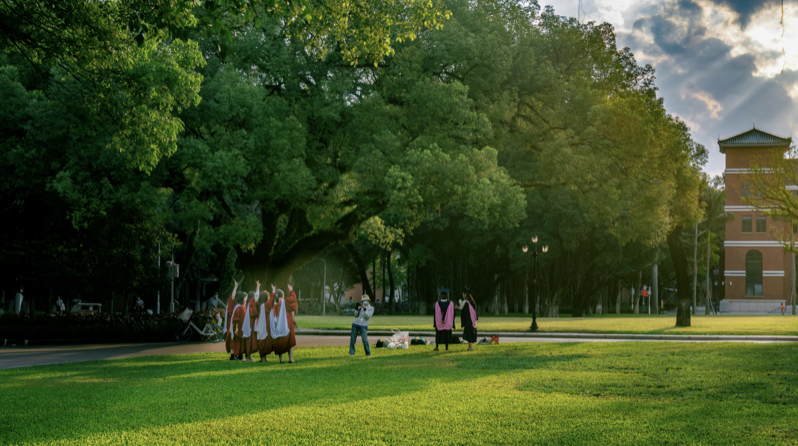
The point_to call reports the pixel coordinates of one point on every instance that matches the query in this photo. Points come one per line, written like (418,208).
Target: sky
(719,63)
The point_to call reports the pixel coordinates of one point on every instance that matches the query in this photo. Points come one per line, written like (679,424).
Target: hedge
(91,326)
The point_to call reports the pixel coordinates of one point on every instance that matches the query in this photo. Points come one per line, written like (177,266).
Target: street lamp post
(543,249)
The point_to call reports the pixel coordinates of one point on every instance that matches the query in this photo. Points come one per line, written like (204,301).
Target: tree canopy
(261,134)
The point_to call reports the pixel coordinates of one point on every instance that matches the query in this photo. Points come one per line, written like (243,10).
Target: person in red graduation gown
(251,342)
(265,344)
(286,343)
(238,325)
(228,326)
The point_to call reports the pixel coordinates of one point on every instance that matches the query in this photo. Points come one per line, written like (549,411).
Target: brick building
(756,274)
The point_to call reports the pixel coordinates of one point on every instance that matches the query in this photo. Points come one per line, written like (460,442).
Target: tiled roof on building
(753,138)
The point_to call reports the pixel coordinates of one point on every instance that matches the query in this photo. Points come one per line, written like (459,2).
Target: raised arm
(290,301)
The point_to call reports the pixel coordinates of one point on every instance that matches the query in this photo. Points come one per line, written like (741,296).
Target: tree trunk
(383,255)
(187,262)
(637,293)
(552,305)
(526,292)
(708,299)
(695,270)
(681,269)
(361,269)
(496,292)
(792,280)
(390,278)
(422,290)
(618,299)
(505,300)
(655,289)
(197,302)
(32,300)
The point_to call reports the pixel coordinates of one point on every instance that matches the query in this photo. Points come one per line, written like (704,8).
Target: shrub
(90,326)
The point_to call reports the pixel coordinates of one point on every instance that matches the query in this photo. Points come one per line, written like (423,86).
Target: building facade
(756,275)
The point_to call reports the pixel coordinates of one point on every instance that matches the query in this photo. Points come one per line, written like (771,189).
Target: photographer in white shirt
(360,325)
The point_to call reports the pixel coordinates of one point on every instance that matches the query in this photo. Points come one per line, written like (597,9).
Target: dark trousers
(364,334)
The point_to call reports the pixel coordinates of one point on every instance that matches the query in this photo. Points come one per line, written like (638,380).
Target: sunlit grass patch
(773,325)
(596,393)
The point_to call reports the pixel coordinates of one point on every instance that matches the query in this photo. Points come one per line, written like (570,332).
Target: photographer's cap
(365,297)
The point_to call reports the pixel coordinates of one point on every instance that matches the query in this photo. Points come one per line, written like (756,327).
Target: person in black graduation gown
(468,318)
(443,321)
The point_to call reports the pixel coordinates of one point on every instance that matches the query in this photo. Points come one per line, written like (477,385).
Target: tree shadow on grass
(71,402)
(109,397)
(720,372)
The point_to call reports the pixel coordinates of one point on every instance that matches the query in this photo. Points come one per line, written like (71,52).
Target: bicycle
(211,332)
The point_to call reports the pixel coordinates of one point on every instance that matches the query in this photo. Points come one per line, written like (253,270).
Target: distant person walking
(782,308)
(139,305)
(468,318)
(361,325)
(444,320)
(60,307)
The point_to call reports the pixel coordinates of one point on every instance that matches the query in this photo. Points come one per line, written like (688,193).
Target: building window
(753,273)
(761,224)
(747,227)
(746,189)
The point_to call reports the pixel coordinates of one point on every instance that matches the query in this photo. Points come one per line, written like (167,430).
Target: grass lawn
(513,394)
(625,323)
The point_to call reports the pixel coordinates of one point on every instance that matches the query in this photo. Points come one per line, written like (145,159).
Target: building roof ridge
(753,138)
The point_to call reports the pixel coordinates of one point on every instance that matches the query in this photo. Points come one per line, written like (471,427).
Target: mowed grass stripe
(597,393)
(770,325)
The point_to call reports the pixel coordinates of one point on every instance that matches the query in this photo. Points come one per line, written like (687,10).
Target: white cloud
(713,107)
(716,75)
(761,38)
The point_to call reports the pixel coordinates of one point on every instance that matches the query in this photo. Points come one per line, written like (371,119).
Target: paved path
(12,357)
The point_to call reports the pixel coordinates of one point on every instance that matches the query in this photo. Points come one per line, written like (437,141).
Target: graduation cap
(467,290)
(444,290)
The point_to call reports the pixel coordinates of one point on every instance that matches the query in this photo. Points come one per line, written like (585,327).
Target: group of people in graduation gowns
(254,326)
(444,319)
(264,327)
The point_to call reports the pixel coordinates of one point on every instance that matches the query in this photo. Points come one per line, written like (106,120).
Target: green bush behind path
(770,325)
(537,393)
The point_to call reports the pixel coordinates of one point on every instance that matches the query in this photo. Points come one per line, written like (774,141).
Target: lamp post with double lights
(543,249)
